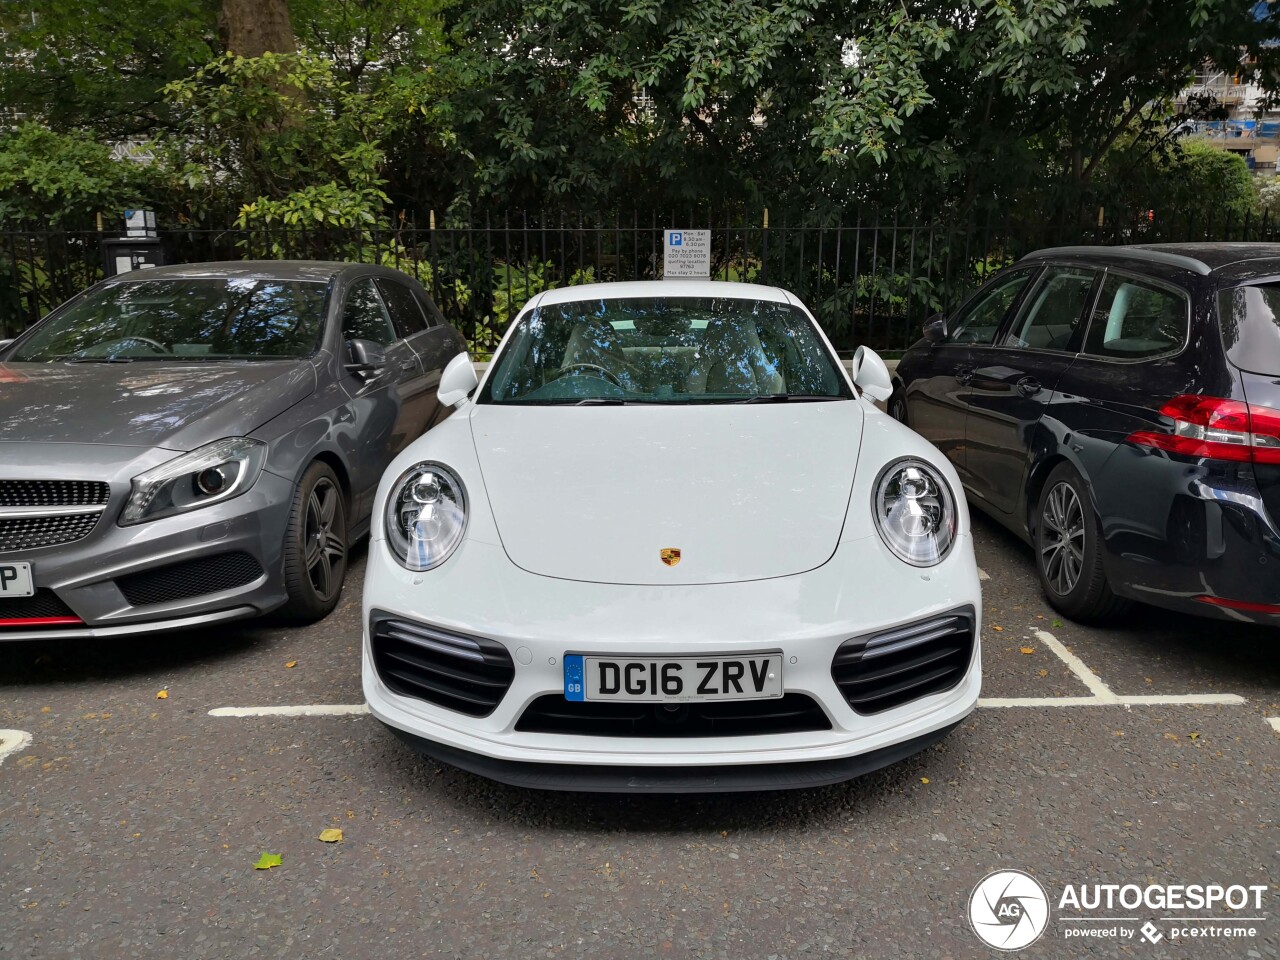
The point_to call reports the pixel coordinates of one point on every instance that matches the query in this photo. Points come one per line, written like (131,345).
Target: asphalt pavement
(130,824)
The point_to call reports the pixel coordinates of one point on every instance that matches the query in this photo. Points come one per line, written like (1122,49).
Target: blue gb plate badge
(574,682)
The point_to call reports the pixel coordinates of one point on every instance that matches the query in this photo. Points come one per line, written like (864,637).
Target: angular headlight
(426,515)
(210,474)
(915,512)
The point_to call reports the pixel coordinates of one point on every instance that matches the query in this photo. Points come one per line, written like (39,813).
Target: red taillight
(1217,429)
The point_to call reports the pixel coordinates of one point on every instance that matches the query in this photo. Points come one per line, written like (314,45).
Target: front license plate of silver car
(15,580)
(673,679)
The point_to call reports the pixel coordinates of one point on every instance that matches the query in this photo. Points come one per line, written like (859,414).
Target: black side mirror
(935,329)
(366,356)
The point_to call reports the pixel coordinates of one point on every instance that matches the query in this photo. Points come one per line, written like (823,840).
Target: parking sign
(688,255)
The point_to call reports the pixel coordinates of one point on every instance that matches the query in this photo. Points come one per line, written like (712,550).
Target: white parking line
(1275,723)
(302,710)
(11,741)
(1173,699)
(1076,665)
(1100,695)
(1189,699)
(983,575)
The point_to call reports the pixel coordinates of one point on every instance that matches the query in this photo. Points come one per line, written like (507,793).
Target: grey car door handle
(964,375)
(408,365)
(1028,386)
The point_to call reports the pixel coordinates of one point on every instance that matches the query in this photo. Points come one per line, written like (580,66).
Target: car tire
(315,546)
(898,407)
(1069,552)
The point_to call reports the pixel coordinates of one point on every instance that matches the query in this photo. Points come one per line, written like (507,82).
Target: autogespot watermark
(1010,910)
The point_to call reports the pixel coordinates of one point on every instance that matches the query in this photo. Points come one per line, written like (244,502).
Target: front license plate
(658,680)
(15,580)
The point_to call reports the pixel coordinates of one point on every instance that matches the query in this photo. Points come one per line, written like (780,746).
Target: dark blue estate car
(1119,409)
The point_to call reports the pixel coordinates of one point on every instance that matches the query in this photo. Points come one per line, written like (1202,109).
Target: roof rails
(1129,253)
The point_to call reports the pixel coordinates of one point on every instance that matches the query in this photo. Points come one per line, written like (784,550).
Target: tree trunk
(251,28)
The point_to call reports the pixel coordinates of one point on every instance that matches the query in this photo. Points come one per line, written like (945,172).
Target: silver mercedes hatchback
(194,444)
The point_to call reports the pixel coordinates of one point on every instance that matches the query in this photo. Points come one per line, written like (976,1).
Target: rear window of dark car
(1250,321)
(1134,320)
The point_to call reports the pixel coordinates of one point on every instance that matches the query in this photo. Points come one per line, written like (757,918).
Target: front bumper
(861,590)
(792,775)
(87,576)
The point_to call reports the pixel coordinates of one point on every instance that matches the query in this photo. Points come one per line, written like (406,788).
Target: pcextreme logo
(1010,910)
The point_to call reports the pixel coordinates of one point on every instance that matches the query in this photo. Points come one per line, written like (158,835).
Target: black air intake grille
(45,603)
(53,493)
(792,713)
(468,674)
(191,578)
(27,533)
(897,666)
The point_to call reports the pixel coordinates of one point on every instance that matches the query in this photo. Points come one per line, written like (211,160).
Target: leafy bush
(49,178)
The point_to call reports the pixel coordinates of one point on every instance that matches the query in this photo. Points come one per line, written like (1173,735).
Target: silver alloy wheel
(1062,539)
(325,548)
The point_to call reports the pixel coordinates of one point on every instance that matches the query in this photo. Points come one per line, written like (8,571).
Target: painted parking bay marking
(12,741)
(1100,695)
(301,710)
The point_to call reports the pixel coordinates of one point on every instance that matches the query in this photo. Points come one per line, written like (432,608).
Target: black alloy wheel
(1068,550)
(315,555)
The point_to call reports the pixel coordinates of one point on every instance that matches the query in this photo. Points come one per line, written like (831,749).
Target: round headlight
(915,512)
(426,516)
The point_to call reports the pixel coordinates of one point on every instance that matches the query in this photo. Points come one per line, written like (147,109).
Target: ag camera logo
(1009,910)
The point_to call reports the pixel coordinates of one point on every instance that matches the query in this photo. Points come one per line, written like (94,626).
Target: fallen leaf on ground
(332,835)
(997,629)
(1027,650)
(1056,623)
(291,664)
(1044,673)
(162,695)
(924,779)
(1194,736)
(267,861)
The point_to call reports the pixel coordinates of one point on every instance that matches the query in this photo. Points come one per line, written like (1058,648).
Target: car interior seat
(731,359)
(596,343)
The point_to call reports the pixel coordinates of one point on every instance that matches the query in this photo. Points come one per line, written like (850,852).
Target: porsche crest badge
(670,555)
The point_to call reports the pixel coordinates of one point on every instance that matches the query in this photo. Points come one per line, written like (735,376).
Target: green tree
(817,102)
(100,67)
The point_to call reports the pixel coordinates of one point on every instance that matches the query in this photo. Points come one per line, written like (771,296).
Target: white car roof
(661,288)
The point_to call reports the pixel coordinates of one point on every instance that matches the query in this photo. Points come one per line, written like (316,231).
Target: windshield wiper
(601,402)
(785,398)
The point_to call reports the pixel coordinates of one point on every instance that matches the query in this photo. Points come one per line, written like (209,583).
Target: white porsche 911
(669,545)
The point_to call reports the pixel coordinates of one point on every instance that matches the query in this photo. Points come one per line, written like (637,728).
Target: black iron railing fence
(869,277)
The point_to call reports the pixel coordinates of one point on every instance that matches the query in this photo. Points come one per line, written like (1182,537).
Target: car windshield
(1250,320)
(664,350)
(183,319)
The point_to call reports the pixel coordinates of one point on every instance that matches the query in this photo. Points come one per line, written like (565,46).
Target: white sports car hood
(743,492)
